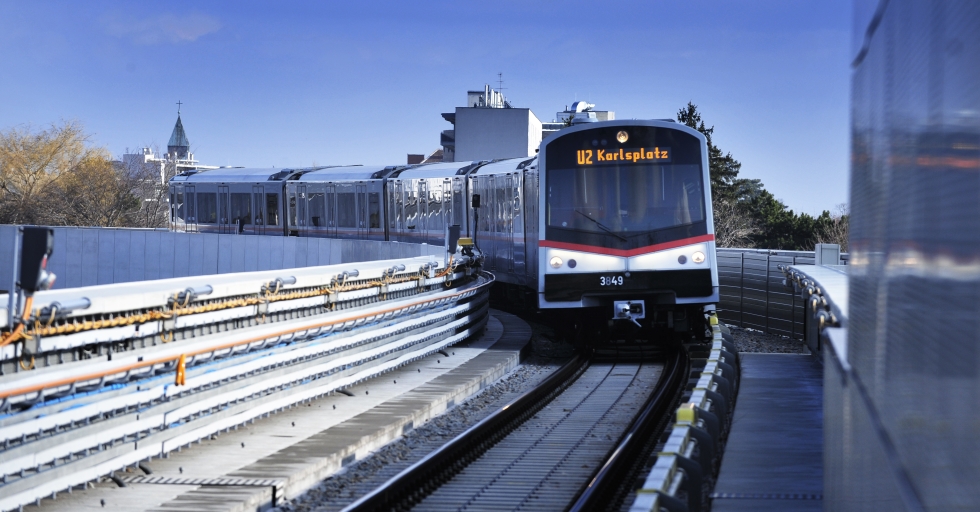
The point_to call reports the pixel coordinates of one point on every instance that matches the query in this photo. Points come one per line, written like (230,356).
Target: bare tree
(734,226)
(31,162)
(96,192)
(837,230)
(149,184)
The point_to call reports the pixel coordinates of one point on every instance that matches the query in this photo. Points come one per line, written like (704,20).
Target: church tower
(178,148)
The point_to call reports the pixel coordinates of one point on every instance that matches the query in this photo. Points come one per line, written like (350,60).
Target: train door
(375,227)
(459,205)
(272,201)
(422,227)
(447,206)
(302,209)
(224,226)
(330,203)
(395,211)
(258,210)
(177,208)
(190,218)
(518,247)
(346,211)
(511,215)
(360,193)
(491,219)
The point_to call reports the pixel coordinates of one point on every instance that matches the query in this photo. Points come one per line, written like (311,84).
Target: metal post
(13,299)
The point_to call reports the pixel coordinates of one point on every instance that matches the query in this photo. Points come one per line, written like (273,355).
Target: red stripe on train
(626,253)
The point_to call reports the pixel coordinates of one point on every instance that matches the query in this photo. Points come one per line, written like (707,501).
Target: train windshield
(625,200)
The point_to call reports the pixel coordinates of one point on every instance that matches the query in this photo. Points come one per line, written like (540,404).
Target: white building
(177,160)
(488,128)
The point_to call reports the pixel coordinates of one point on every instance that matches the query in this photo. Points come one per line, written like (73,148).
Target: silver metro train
(613,216)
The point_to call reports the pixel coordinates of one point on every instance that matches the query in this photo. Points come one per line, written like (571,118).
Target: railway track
(547,448)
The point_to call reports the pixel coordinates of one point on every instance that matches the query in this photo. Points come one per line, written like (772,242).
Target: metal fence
(92,256)
(753,294)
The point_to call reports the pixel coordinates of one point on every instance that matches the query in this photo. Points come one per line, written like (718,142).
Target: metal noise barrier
(693,442)
(77,422)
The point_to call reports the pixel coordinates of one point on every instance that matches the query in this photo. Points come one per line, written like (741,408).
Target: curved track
(540,451)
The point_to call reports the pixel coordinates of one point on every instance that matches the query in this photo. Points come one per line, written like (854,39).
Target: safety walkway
(774,456)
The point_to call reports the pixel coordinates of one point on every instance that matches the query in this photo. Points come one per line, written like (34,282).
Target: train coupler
(632,310)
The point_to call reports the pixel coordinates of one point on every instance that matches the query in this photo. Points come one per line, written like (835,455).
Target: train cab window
(346,214)
(374,209)
(627,199)
(272,209)
(241,209)
(207,208)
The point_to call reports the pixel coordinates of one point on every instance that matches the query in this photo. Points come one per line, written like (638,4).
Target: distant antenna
(500,82)
(178,107)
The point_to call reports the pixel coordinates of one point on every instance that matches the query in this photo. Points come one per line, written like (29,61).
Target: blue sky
(293,83)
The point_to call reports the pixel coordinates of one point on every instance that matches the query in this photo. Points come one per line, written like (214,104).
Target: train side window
(241,209)
(316,209)
(272,209)
(374,209)
(207,208)
(347,216)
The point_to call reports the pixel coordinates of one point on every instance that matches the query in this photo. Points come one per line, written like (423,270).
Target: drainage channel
(538,452)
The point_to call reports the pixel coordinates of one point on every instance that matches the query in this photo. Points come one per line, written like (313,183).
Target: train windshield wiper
(601,226)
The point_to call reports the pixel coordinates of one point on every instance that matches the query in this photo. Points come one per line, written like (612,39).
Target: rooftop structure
(489,127)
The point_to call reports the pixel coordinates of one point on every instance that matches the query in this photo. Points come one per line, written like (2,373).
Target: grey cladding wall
(91,256)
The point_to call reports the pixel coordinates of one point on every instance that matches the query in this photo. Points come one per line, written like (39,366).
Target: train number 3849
(611,281)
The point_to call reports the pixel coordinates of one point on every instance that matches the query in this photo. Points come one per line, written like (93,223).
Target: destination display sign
(657,154)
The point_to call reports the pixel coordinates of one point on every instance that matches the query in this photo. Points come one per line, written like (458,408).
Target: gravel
(358,479)
(751,340)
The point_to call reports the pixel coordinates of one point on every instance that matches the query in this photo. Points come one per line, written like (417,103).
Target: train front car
(626,230)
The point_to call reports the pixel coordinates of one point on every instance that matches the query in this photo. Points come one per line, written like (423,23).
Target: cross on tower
(178,107)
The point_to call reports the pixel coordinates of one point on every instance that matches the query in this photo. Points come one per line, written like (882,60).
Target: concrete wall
(90,256)
(488,133)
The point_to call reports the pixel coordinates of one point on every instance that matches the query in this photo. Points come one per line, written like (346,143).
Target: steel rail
(615,472)
(99,374)
(410,485)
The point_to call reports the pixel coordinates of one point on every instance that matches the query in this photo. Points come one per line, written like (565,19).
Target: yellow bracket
(181,371)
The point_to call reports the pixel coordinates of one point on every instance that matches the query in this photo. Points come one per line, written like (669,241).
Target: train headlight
(698,257)
(622,136)
(555,262)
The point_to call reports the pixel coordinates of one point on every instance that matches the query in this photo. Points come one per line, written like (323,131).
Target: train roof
(343,173)
(237,174)
(436,170)
(502,166)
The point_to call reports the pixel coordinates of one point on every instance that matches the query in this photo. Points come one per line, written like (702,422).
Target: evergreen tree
(723,168)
